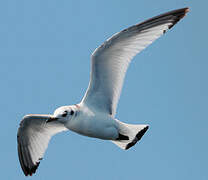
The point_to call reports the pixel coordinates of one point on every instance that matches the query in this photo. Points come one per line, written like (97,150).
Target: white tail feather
(134,133)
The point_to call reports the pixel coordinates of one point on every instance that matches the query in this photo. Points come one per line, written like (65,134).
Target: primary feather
(33,137)
(110,61)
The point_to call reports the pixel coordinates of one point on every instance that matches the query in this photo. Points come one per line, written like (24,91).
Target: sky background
(45,49)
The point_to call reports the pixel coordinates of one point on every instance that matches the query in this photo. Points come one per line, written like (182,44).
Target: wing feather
(33,137)
(110,61)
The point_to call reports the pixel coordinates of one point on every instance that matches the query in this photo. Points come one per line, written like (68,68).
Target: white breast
(93,124)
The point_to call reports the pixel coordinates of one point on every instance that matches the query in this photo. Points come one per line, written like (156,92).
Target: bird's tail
(129,134)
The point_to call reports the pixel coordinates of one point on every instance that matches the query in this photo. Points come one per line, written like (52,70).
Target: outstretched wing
(110,61)
(33,137)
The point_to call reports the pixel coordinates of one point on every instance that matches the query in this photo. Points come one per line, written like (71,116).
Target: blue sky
(45,63)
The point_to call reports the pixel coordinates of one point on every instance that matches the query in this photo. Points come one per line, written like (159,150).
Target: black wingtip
(33,169)
(30,171)
(25,168)
(179,14)
(174,15)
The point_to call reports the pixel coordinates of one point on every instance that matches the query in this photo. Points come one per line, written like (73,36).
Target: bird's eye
(72,112)
(64,114)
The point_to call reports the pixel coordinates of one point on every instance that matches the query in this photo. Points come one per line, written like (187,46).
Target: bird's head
(64,114)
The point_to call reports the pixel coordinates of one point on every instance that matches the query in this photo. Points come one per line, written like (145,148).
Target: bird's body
(94,116)
(89,122)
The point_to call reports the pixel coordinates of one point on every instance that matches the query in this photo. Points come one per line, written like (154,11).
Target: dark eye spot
(64,114)
(72,112)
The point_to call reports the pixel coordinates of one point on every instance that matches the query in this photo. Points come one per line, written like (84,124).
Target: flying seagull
(94,116)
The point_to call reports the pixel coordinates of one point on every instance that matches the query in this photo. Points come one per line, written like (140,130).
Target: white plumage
(111,60)
(94,116)
(33,137)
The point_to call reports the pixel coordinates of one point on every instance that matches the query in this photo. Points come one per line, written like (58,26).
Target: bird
(94,116)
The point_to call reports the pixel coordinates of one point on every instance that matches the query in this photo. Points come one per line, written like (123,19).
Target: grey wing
(110,61)
(33,137)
